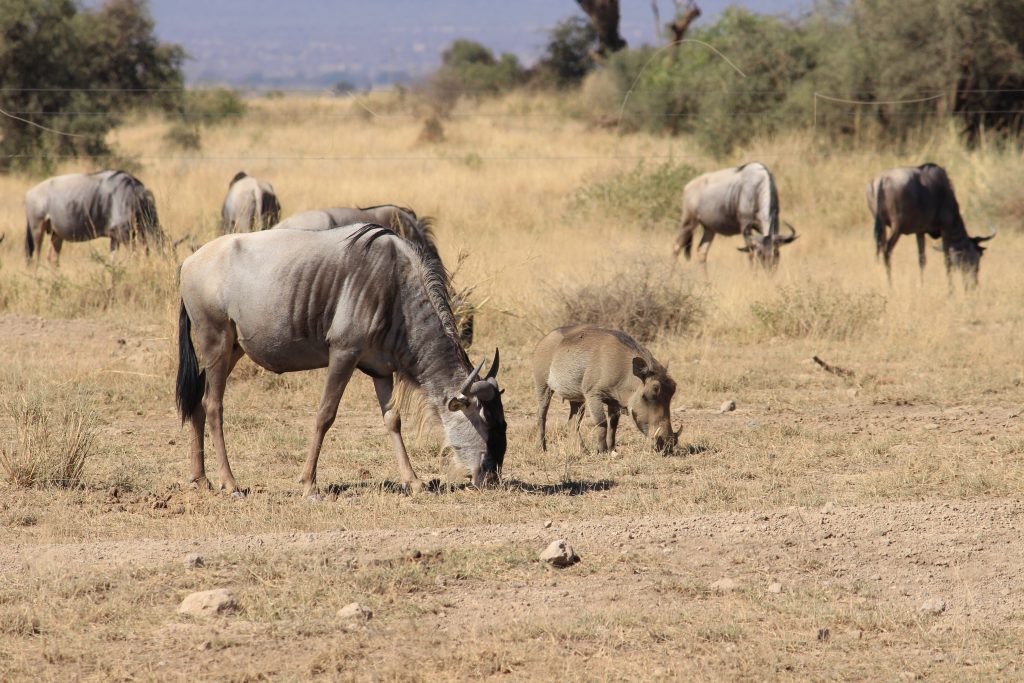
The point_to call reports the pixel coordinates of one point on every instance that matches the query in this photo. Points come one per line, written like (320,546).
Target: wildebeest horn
(473,376)
(987,237)
(493,372)
(792,234)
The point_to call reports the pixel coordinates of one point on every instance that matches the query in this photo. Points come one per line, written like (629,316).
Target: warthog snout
(666,443)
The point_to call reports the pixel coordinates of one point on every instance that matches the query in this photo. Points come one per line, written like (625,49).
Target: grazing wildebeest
(594,369)
(734,201)
(83,206)
(401,220)
(349,298)
(919,200)
(250,204)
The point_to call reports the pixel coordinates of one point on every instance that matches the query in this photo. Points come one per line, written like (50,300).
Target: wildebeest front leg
(544,395)
(384,387)
(597,413)
(339,372)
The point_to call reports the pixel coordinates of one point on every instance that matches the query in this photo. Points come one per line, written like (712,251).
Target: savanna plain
(853,526)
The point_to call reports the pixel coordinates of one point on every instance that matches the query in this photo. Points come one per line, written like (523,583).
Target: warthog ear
(640,368)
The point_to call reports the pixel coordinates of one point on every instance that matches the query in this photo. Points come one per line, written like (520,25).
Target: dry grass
(930,416)
(53,439)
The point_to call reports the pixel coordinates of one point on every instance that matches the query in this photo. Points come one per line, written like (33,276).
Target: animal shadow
(691,449)
(562,488)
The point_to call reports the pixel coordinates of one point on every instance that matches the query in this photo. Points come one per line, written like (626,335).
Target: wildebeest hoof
(202,483)
(415,486)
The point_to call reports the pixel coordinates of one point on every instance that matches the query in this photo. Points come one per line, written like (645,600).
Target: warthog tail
(191,382)
(879,223)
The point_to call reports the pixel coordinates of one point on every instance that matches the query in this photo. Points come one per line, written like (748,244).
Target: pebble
(559,554)
(728,406)
(208,603)
(933,606)
(355,611)
(775,587)
(547,524)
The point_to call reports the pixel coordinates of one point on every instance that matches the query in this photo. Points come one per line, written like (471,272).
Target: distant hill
(317,43)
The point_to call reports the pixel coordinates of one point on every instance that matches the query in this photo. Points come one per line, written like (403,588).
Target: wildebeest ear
(640,368)
(458,403)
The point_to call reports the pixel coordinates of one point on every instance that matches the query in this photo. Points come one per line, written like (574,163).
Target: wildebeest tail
(879,223)
(191,382)
(30,245)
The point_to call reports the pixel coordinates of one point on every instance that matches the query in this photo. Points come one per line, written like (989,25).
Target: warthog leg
(576,421)
(384,387)
(339,371)
(596,408)
(614,412)
(544,395)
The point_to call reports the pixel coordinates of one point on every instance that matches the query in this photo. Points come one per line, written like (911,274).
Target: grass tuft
(51,443)
(822,310)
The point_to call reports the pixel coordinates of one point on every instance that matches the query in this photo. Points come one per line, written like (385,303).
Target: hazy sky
(303,40)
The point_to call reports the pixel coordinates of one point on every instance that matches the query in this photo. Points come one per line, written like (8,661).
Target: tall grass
(50,444)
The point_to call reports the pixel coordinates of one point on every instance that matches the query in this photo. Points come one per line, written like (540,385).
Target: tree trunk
(604,15)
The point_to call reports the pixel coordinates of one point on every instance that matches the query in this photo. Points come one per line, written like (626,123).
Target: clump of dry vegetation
(823,310)
(647,195)
(642,300)
(51,442)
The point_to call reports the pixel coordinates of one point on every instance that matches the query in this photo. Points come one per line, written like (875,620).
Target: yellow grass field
(838,509)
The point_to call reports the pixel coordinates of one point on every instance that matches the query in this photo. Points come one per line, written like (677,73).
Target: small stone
(855,634)
(355,611)
(725,585)
(559,554)
(547,524)
(180,510)
(824,634)
(728,406)
(208,603)
(775,587)
(931,425)
(828,507)
(933,606)
(441,580)
(852,392)
(205,645)
(194,560)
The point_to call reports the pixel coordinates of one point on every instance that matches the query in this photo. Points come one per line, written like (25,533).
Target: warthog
(594,369)
(734,201)
(346,299)
(83,206)
(919,200)
(249,205)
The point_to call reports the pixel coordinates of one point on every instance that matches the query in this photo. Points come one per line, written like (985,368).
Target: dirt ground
(921,582)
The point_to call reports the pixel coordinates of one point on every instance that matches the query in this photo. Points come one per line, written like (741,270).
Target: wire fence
(819,106)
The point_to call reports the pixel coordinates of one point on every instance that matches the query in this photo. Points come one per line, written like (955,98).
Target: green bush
(569,54)
(648,195)
(823,310)
(213,106)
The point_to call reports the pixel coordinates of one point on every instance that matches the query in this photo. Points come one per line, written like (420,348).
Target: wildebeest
(250,204)
(594,369)
(83,206)
(401,220)
(734,201)
(349,298)
(919,200)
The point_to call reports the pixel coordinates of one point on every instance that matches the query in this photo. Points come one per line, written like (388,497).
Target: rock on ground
(728,406)
(934,606)
(208,603)
(725,585)
(559,554)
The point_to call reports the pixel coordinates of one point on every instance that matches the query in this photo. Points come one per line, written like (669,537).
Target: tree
(568,56)
(604,15)
(68,70)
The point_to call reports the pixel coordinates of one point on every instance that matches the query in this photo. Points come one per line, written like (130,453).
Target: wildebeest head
(650,406)
(966,255)
(480,445)
(765,248)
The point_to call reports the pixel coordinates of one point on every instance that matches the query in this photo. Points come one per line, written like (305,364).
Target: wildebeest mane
(238,176)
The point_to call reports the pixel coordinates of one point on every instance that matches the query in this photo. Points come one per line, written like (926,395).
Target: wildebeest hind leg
(889,246)
(222,351)
(55,245)
(921,255)
(706,238)
(384,387)
(339,372)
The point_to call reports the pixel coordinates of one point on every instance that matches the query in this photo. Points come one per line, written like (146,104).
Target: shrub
(642,300)
(646,194)
(568,56)
(469,68)
(183,135)
(212,106)
(52,441)
(818,310)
